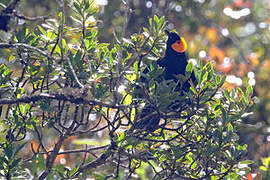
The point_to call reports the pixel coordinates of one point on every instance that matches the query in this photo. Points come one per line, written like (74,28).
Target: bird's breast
(173,64)
(176,67)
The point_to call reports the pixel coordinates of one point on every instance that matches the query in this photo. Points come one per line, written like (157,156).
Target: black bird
(4,20)
(173,64)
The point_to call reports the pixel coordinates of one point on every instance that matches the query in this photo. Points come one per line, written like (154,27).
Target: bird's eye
(178,42)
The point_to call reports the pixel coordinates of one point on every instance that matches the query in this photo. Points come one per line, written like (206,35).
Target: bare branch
(98,162)
(72,99)
(53,154)
(87,150)
(26,46)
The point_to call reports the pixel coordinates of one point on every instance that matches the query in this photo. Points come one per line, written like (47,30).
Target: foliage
(233,35)
(73,98)
(264,167)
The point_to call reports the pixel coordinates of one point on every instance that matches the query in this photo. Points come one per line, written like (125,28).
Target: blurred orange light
(238,3)
(211,34)
(215,52)
(266,65)
(252,57)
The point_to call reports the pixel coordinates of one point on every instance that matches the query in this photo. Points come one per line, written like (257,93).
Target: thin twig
(97,162)
(37,18)
(74,73)
(78,150)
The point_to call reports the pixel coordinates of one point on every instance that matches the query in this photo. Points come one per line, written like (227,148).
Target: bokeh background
(233,34)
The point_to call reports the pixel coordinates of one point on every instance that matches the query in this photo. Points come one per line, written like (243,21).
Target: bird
(173,64)
(4,20)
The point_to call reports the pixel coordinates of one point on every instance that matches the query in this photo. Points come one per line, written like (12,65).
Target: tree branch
(10,7)
(70,98)
(98,162)
(26,46)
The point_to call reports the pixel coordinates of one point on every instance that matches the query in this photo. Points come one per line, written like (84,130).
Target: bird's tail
(148,119)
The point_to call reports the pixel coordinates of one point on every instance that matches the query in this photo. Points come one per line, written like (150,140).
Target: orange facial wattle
(180,45)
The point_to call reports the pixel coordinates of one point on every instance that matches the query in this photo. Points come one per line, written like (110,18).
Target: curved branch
(26,46)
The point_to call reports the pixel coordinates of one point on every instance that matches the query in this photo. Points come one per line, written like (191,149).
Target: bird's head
(175,42)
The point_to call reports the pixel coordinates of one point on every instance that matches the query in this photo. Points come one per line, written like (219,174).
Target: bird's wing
(162,62)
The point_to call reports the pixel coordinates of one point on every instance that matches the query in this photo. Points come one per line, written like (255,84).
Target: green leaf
(64,46)
(128,99)
(98,176)
(60,15)
(198,75)
(222,81)
(249,90)
(39,162)
(263,168)
(135,66)
(226,94)
(218,79)
(121,137)
(189,70)
(8,151)
(42,30)
(21,34)
(90,142)
(230,127)
(247,162)
(3,160)
(21,107)
(78,57)
(232,176)
(92,12)
(189,67)
(87,5)
(204,77)
(78,8)
(266,161)
(224,114)
(193,90)
(200,64)
(15,162)
(150,22)
(72,172)
(157,21)
(156,18)
(128,41)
